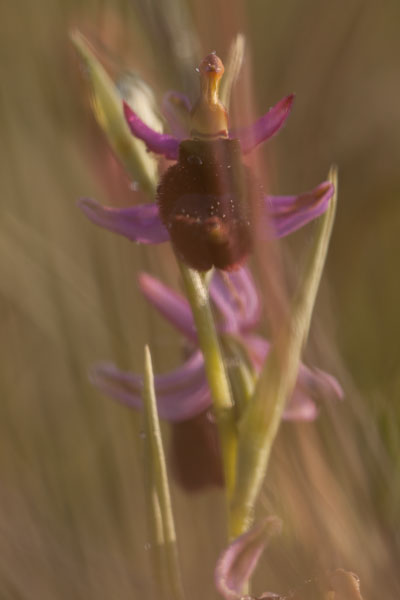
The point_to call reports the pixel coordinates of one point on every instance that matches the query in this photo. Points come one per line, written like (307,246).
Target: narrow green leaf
(154,522)
(160,479)
(262,418)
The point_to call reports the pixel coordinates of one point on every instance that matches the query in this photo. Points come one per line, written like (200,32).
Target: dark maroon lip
(205,203)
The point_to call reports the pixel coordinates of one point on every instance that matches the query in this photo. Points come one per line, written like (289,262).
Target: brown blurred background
(71,499)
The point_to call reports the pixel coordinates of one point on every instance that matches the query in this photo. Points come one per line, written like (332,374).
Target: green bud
(107,107)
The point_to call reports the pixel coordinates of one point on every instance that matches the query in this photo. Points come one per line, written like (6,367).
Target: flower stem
(260,423)
(197,294)
(160,478)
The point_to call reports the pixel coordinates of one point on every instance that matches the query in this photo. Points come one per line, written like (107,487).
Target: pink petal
(237,563)
(160,143)
(235,295)
(174,307)
(300,407)
(312,385)
(265,127)
(140,223)
(286,214)
(181,394)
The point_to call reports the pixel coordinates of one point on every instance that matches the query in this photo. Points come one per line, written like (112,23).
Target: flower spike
(159,143)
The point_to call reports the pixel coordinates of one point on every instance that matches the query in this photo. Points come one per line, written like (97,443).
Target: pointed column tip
(209,118)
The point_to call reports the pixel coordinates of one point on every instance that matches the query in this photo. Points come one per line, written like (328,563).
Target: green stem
(197,295)
(160,479)
(260,423)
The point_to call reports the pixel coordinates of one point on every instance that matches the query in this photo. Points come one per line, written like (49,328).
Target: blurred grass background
(71,500)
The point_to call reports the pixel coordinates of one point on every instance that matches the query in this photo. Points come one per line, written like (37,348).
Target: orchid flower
(184,393)
(205,201)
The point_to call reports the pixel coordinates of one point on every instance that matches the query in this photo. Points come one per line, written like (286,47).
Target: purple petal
(300,407)
(265,127)
(160,143)
(181,394)
(234,294)
(289,213)
(236,297)
(176,109)
(312,385)
(258,348)
(237,563)
(140,223)
(174,307)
